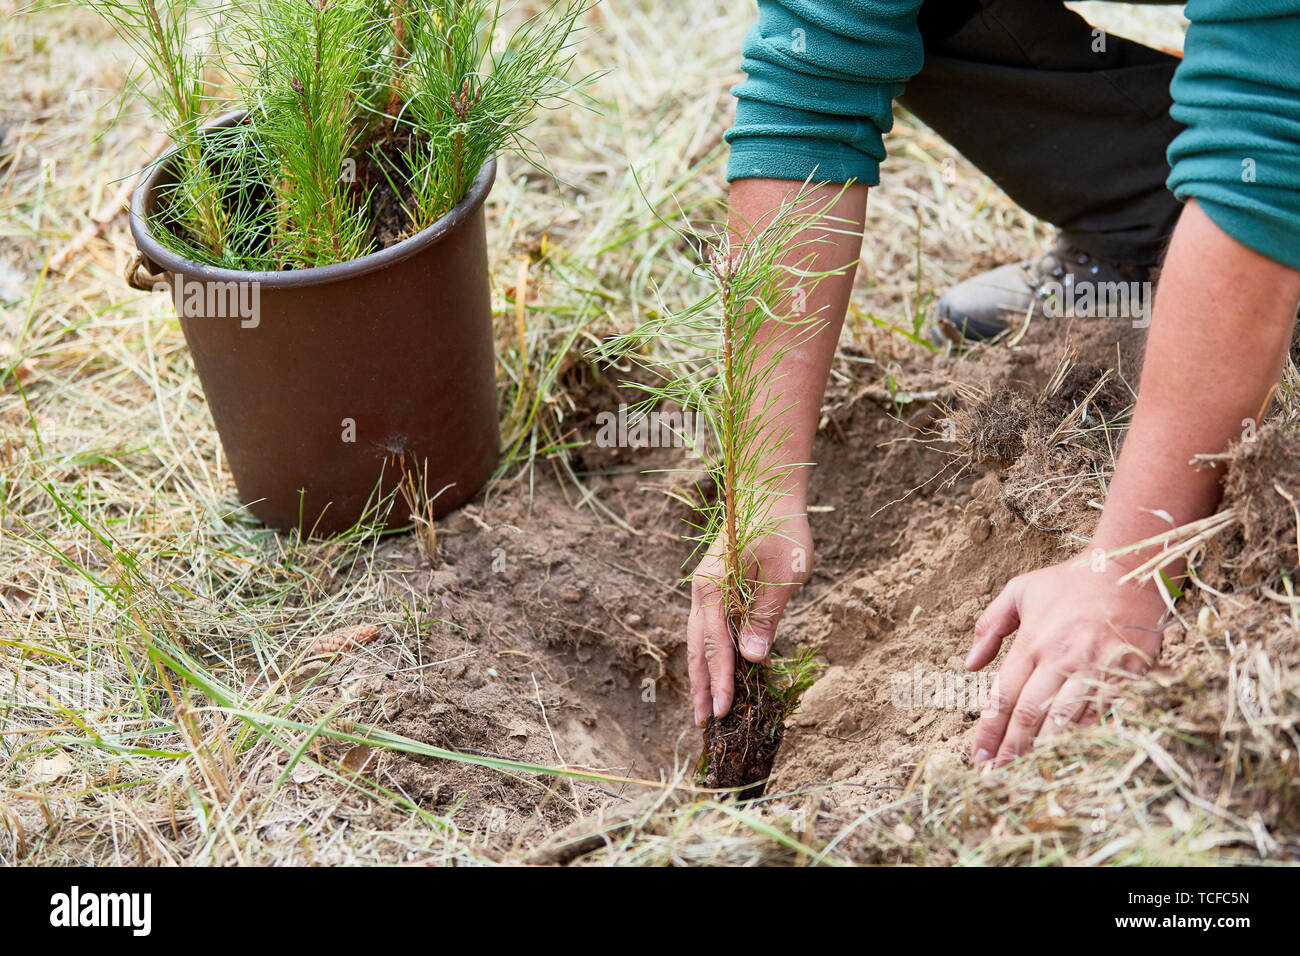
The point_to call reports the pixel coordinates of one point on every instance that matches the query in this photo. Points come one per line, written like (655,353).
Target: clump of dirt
(998,429)
(1053,443)
(741,746)
(1262,488)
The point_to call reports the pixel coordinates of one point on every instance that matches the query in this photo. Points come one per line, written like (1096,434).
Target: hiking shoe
(1066,281)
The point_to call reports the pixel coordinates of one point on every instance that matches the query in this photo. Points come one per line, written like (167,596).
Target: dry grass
(149,635)
(1195,764)
(1058,447)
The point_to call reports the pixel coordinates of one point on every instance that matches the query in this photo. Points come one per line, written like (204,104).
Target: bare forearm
(1220,330)
(800,375)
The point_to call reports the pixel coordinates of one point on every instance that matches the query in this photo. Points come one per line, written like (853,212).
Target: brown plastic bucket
(328,385)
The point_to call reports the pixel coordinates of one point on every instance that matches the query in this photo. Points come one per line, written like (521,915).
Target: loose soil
(556,635)
(741,747)
(381,167)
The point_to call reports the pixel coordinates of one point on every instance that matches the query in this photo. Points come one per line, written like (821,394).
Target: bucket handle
(144,281)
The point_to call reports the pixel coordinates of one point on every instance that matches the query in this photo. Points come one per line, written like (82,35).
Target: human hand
(1078,628)
(780,562)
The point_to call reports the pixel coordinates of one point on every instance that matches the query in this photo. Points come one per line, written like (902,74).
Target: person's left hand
(1078,627)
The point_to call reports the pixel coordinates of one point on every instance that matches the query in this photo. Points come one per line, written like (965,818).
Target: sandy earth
(560,636)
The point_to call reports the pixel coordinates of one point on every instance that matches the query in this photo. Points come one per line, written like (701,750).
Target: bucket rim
(162,259)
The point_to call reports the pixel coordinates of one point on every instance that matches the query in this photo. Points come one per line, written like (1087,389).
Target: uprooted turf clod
(1262,487)
(740,747)
(996,429)
(1056,446)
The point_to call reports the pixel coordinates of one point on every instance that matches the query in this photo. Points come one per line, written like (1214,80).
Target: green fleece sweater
(822,77)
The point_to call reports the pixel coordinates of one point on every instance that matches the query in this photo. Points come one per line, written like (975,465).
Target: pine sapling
(350,104)
(168,38)
(310,65)
(466,101)
(729,348)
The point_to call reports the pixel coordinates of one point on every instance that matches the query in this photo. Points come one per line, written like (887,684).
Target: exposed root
(740,748)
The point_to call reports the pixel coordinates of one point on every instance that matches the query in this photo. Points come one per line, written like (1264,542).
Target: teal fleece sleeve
(1238,92)
(822,77)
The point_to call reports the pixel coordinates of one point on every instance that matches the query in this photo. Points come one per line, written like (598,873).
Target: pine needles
(733,341)
(736,339)
(344,100)
(304,109)
(464,102)
(167,36)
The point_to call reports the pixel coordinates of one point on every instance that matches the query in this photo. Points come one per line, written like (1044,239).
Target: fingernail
(718,709)
(754,646)
(701,716)
(982,755)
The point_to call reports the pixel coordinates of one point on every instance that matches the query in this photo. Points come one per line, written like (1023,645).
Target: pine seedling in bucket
(321,224)
(173,40)
(726,351)
(349,106)
(468,100)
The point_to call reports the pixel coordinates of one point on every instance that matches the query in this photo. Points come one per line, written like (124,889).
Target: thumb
(998,620)
(758,630)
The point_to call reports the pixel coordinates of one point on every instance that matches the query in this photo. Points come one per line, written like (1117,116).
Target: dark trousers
(1074,135)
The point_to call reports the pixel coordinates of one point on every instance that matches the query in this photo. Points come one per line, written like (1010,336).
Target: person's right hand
(781,559)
